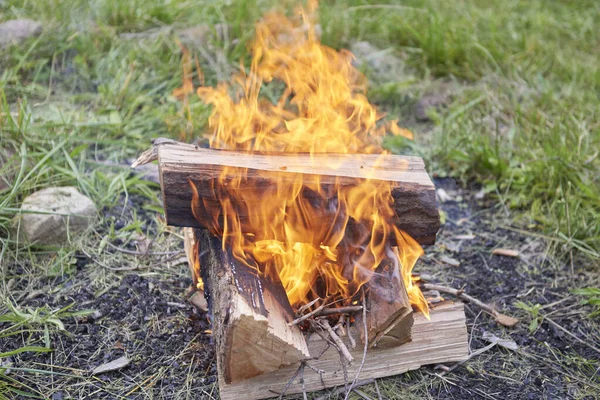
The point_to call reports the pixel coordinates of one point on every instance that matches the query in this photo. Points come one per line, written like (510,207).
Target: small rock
(202,35)
(506,343)
(149,172)
(450,261)
(114,365)
(17,30)
(52,215)
(443,196)
(464,237)
(429,102)
(57,396)
(96,315)
(382,63)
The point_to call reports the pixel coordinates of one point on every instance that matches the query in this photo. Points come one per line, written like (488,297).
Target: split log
(442,339)
(413,192)
(250,316)
(389,313)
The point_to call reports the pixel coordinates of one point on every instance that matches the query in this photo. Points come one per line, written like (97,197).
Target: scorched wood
(413,192)
(250,316)
(442,339)
(389,313)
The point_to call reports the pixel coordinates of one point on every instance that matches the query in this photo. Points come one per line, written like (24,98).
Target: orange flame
(319,240)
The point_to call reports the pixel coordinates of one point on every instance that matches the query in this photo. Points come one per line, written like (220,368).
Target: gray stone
(52,215)
(16,30)
(383,64)
(149,172)
(428,103)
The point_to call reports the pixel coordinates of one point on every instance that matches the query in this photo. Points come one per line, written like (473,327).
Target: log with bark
(250,316)
(412,190)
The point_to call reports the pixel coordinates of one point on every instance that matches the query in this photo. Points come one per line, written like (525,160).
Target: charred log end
(389,318)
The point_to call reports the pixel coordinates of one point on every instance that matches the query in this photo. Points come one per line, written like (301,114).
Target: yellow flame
(319,240)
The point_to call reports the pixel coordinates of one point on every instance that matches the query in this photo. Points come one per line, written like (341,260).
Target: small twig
(287,386)
(500,318)
(349,334)
(340,327)
(556,325)
(318,371)
(341,390)
(361,394)
(473,354)
(302,365)
(307,306)
(366,346)
(323,336)
(307,316)
(339,343)
(111,268)
(339,310)
(142,253)
(377,389)
(462,295)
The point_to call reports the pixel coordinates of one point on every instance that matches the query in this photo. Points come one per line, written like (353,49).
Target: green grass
(529,68)
(81,100)
(524,123)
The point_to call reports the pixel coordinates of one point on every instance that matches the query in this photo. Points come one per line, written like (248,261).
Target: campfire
(306,230)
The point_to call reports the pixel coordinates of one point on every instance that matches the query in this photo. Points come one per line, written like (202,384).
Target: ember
(320,242)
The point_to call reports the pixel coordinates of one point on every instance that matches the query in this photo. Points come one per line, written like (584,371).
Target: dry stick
(571,334)
(324,337)
(377,389)
(341,390)
(339,310)
(340,327)
(95,260)
(306,316)
(366,346)
(462,295)
(349,334)
(473,354)
(319,371)
(336,339)
(287,386)
(302,365)
(307,306)
(361,394)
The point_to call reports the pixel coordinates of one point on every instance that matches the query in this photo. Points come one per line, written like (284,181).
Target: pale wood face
(442,339)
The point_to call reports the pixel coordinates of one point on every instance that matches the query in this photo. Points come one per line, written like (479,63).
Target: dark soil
(145,316)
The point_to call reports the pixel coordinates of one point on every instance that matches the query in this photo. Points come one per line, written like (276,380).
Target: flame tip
(320,242)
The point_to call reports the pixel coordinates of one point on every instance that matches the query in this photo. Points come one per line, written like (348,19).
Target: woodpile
(265,348)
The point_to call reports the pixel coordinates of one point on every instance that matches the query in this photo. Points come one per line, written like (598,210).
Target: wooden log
(389,314)
(250,316)
(413,192)
(442,339)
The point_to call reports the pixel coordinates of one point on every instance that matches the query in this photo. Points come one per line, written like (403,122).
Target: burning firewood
(181,166)
(442,339)
(250,316)
(298,207)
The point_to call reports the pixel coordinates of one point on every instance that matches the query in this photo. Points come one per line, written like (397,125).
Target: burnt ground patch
(139,309)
